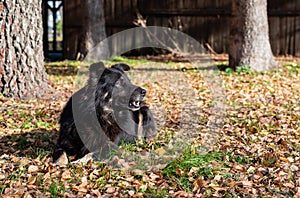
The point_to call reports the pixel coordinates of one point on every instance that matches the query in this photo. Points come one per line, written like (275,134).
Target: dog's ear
(95,70)
(121,67)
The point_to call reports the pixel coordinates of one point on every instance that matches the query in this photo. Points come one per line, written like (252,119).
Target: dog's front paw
(62,160)
(84,160)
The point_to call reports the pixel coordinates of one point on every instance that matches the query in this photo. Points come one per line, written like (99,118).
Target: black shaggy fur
(108,108)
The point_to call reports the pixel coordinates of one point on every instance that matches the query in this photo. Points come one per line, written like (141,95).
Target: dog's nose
(143,92)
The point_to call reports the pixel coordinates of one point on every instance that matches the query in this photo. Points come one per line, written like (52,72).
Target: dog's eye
(121,80)
(118,83)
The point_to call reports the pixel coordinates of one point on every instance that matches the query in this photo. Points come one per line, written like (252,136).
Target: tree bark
(249,42)
(93,29)
(22,72)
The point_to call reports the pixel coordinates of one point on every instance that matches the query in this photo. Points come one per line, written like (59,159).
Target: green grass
(201,163)
(127,60)
(2,189)
(56,189)
(40,153)
(157,192)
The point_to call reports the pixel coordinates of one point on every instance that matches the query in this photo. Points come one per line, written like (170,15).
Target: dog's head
(115,87)
(125,94)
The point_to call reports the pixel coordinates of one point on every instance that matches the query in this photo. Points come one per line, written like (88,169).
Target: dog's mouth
(135,104)
(136,99)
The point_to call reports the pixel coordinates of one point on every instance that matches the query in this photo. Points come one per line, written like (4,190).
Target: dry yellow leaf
(66,175)
(33,169)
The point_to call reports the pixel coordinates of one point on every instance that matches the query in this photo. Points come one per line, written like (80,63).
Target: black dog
(108,108)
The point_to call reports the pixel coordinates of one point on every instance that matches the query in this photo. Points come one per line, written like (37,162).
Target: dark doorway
(53,29)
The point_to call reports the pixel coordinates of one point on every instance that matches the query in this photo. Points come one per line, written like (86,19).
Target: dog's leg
(147,123)
(60,157)
(140,127)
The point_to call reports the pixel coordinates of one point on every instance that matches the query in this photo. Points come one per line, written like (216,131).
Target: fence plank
(207,21)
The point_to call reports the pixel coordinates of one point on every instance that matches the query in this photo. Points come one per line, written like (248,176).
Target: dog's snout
(143,92)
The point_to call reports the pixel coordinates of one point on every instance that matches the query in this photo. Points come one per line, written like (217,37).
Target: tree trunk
(93,29)
(249,43)
(22,72)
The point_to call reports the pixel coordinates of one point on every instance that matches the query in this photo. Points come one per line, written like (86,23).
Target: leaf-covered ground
(257,153)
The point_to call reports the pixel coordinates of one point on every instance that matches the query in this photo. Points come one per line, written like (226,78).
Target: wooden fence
(206,21)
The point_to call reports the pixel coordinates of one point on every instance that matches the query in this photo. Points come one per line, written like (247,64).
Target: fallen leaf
(110,190)
(284,159)
(96,192)
(84,182)
(238,167)
(289,184)
(198,184)
(2,176)
(32,180)
(66,175)
(33,169)
(130,193)
(294,168)
(154,176)
(247,183)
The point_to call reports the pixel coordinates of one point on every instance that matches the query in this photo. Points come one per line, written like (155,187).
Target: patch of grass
(288,107)
(18,173)
(240,159)
(55,188)
(156,192)
(295,65)
(63,68)
(40,153)
(292,68)
(128,146)
(202,163)
(228,71)
(36,124)
(241,69)
(127,60)
(228,175)
(2,189)
(228,194)
(21,141)
(42,124)
(223,65)
(27,124)
(65,63)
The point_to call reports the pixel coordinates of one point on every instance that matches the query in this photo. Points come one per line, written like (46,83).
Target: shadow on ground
(33,144)
(59,70)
